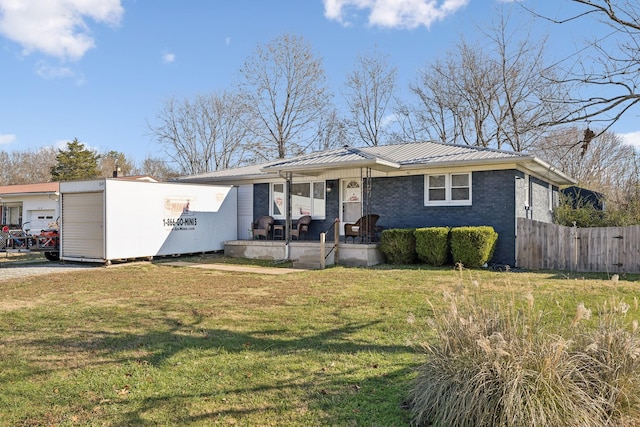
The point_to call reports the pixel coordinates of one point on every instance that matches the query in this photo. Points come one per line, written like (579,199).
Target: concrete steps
(308,262)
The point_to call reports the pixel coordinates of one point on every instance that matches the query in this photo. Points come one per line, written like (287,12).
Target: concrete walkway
(235,267)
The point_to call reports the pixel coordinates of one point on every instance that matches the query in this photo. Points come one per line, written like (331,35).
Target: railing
(336,239)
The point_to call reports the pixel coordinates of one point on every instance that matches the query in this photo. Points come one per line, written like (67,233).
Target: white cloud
(51,72)
(631,138)
(394,13)
(56,27)
(227,41)
(168,57)
(7,139)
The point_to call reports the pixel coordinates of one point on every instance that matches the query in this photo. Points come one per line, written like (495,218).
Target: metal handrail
(336,241)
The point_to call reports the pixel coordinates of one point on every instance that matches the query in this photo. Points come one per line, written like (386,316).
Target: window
(307,198)
(448,189)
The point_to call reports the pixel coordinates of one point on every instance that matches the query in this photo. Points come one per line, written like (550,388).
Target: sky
(101,70)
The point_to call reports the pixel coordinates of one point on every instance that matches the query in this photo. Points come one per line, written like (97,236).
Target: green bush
(496,364)
(399,245)
(473,246)
(432,245)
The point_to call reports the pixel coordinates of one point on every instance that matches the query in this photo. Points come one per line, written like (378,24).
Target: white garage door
(40,220)
(82,234)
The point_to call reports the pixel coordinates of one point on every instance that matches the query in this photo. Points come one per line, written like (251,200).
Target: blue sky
(101,70)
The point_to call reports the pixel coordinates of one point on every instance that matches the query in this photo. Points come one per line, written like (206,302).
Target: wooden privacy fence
(545,246)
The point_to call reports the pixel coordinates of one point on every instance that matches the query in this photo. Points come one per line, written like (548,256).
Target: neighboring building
(408,185)
(29,206)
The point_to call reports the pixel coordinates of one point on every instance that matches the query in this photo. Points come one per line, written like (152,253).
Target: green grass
(149,344)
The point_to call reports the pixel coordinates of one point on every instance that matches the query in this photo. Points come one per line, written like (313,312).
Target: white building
(29,206)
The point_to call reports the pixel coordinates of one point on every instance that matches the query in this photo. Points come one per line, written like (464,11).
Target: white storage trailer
(114,219)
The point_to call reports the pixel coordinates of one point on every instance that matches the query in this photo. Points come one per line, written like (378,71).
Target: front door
(351,202)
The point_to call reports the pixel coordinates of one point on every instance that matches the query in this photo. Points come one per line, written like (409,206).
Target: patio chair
(302,227)
(364,228)
(262,227)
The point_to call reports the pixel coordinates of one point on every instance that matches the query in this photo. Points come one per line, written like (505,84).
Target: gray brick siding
(400,204)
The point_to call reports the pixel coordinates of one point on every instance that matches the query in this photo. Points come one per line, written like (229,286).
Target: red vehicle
(48,241)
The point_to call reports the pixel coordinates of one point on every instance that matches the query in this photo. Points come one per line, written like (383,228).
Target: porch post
(336,239)
(287,222)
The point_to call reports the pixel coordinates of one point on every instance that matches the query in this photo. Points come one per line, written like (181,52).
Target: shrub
(399,245)
(473,246)
(432,245)
(495,364)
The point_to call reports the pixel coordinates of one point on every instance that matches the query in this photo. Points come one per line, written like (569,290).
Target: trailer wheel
(52,256)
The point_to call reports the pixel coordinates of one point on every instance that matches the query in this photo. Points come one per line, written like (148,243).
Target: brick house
(408,185)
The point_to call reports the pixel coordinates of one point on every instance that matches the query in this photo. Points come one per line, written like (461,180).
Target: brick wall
(400,204)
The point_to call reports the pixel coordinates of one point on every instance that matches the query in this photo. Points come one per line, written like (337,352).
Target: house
(408,185)
(29,206)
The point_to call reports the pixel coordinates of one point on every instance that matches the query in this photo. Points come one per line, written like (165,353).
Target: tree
(204,134)
(604,83)
(370,88)
(157,168)
(332,132)
(284,89)
(74,163)
(27,167)
(488,94)
(111,161)
(606,165)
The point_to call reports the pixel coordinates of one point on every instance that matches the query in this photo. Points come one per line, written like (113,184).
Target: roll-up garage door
(83,225)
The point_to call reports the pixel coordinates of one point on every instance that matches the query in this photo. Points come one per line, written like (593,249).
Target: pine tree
(76,162)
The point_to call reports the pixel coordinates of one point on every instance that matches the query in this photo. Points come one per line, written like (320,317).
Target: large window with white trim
(447,189)
(307,198)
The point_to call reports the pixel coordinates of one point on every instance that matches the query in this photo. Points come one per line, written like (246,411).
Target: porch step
(306,265)
(307,262)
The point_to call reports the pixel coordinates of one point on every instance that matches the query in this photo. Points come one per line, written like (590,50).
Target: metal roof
(388,158)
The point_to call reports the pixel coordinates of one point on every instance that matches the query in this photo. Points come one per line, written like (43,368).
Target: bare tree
(609,64)
(606,164)
(156,168)
(27,167)
(487,94)
(332,132)
(113,161)
(370,87)
(284,87)
(203,134)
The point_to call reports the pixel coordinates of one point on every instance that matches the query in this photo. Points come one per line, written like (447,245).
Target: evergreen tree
(76,162)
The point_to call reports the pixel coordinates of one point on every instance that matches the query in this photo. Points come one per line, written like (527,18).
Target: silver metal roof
(387,158)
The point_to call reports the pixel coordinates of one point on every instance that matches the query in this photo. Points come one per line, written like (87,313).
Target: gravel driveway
(8,272)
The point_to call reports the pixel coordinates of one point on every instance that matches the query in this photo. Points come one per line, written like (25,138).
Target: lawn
(151,344)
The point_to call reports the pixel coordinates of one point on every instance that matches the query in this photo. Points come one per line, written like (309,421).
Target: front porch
(307,253)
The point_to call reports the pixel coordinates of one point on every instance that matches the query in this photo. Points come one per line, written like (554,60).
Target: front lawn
(150,344)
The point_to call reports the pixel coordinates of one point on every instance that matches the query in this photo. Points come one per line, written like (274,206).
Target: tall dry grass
(509,363)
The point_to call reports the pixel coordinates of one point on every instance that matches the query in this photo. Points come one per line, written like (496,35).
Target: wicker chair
(302,227)
(364,228)
(262,227)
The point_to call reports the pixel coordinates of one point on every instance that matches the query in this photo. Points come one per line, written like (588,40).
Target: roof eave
(374,163)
